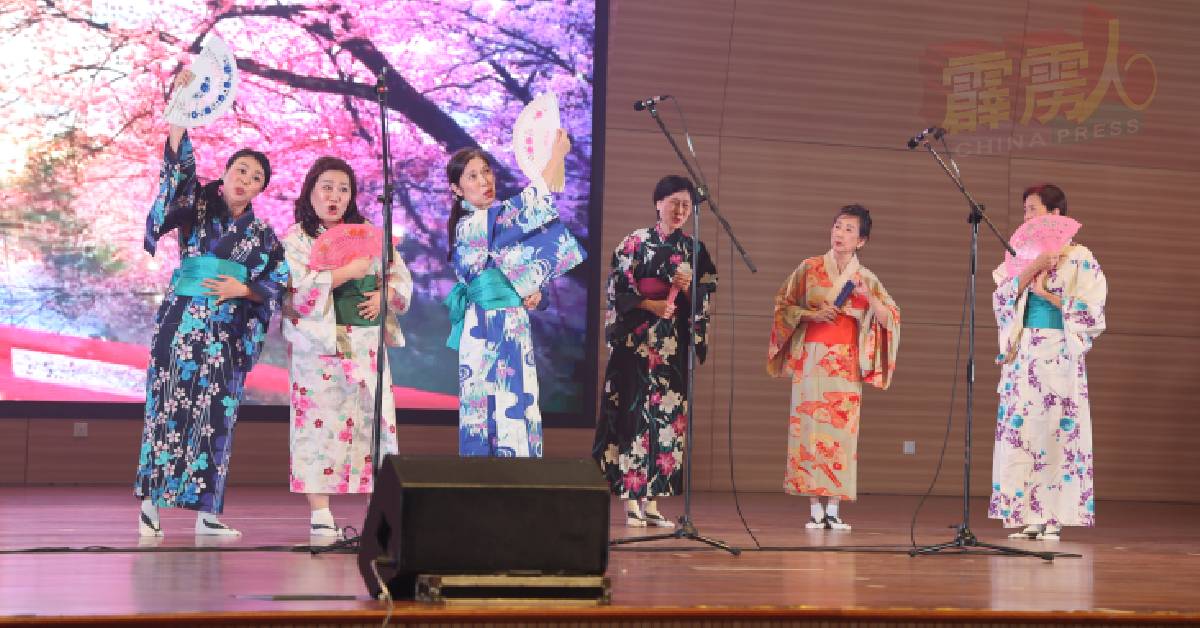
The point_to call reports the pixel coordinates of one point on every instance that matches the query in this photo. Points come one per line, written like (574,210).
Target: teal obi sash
(490,291)
(194,270)
(1041,314)
(346,298)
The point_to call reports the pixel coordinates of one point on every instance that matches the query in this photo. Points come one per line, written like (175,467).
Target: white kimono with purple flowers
(1042,468)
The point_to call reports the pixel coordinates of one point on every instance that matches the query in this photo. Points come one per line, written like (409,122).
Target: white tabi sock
(815,510)
(831,508)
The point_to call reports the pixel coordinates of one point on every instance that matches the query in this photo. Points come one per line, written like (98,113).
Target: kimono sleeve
(879,342)
(268,279)
(531,245)
(1086,290)
(400,288)
(175,203)
(309,319)
(791,304)
(1008,304)
(622,292)
(706,285)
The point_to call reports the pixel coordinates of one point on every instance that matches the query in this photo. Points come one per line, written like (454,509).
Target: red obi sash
(653,288)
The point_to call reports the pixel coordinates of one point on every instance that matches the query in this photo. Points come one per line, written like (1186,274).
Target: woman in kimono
(640,436)
(835,327)
(1048,316)
(208,330)
(331,322)
(502,253)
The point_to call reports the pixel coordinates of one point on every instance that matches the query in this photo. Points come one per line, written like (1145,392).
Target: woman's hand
(824,314)
(368,308)
(659,308)
(561,146)
(357,268)
(682,280)
(531,302)
(182,79)
(554,174)
(1047,260)
(225,288)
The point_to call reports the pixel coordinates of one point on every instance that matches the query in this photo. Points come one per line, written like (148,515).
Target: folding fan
(533,138)
(211,92)
(1036,236)
(342,243)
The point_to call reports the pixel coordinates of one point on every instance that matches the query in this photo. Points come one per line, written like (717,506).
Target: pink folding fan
(338,245)
(1039,235)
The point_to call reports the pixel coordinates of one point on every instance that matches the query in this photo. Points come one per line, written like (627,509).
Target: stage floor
(1141,564)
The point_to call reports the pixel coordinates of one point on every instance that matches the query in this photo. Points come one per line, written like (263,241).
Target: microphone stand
(687,528)
(965,541)
(385,260)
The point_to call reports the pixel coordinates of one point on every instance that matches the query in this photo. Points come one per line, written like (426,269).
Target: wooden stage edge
(1141,566)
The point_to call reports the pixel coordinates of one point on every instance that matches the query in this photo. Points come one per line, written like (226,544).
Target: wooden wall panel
(14,435)
(672,47)
(844,73)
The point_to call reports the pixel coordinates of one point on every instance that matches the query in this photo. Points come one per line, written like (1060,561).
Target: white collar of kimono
(469,207)
(851,267)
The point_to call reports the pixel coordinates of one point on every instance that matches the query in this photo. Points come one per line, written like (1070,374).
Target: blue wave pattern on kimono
(498,389)
(201,351)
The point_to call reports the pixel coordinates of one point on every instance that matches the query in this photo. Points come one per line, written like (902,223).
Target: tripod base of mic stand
(685,530)
(965,542)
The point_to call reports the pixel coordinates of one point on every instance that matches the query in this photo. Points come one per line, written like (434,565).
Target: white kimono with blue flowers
(498,387)
(1042,468)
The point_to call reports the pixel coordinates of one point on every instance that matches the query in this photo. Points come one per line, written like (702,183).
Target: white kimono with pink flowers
(332,373)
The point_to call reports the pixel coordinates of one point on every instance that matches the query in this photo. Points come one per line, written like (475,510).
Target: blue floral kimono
(524,241)
(201,351)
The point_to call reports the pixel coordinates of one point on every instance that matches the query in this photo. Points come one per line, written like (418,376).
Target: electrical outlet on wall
(81,429)
(910,447)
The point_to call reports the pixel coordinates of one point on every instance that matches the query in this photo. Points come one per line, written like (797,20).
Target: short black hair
(1051,196)
(861,213)
(671,184)
(257,156)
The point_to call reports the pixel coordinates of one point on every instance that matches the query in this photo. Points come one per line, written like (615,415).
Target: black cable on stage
(732,335)
(937,472)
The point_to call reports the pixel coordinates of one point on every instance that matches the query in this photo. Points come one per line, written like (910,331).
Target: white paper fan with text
(211,92)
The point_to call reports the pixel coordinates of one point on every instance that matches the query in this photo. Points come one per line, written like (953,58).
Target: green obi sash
(346,298)
(1041,314)
(194,270)
(491,290)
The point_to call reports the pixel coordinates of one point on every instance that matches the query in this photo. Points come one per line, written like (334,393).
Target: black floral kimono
(640,436)
(201,351)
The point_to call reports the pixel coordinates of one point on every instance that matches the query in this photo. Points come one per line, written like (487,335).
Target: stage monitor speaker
(483,516)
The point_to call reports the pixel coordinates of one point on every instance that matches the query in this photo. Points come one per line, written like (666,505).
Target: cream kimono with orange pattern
(827,378)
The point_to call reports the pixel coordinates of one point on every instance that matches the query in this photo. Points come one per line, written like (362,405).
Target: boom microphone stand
(687,528)
(385,260)
(965,541)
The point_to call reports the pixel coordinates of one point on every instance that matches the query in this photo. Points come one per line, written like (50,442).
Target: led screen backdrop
(82,90)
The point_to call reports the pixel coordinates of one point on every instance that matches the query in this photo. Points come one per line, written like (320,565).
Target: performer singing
(830,350)
(640,436)
(1048,317)
(332,325)
(503,254)
(208,330)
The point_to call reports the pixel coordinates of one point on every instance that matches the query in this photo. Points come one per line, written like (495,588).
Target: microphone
(649,102)
(936,131)
(844,294)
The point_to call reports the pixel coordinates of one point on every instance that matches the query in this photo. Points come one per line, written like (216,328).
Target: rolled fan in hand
(533,140)
(1043,234)
(342,243)
(211,92)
